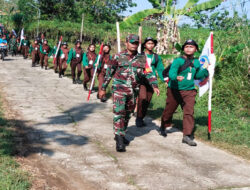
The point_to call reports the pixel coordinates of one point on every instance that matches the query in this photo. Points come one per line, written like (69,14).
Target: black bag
(188,63)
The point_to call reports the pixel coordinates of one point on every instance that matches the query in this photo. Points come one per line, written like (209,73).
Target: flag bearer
(181,91)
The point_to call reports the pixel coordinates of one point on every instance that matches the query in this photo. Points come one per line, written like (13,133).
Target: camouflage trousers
(123,106)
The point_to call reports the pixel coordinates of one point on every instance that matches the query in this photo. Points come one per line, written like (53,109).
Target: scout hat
(190,42)
(131,38)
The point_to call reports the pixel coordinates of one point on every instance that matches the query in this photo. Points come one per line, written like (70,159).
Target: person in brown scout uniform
(88,62)
(34,51)
(102,67)
(63,59)
(75,59)
(181,91)
(45,53)
(25,47)
(146,91)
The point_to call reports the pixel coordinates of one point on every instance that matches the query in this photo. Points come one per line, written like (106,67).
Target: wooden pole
(118,37)
(82,27)
(140,38)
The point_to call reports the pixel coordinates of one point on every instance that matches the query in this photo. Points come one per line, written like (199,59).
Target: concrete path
(75,138)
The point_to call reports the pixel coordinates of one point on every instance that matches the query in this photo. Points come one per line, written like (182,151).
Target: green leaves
(138,17)
(190,3)
(203,6)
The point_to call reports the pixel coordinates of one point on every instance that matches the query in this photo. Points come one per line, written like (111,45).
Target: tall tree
(167,17)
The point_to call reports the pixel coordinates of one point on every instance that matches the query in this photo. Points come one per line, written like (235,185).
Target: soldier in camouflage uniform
(127,68)
(13,45)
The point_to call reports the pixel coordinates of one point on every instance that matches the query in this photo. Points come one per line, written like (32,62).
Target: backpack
(188,63)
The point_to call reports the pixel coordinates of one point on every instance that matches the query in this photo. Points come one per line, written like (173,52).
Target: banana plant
(166,15)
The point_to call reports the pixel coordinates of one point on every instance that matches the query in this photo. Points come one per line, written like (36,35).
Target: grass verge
(11,176)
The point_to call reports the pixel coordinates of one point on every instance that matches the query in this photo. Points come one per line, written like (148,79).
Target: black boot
(125,141)
(139,122)
(85,87)
(103,99)
(74,81)
(60,74)
(46,68)
(33,64)
(120,146)
(188,140)
(79,81)
(163,132)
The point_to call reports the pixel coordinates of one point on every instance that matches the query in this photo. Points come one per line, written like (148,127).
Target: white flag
(207,58)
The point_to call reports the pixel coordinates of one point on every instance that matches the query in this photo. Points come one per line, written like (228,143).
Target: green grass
(229,130)
(11,176)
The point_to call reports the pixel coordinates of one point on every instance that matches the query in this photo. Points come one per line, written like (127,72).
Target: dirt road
(71,141)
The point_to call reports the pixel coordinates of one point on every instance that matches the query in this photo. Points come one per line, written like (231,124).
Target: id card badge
(78,55)
(44,51)
(189,76)
(62,56)
(36,48)
(149,61)
(105,66)
(91,62)
(24,44)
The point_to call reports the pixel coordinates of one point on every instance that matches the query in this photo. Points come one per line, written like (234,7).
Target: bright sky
(228,4)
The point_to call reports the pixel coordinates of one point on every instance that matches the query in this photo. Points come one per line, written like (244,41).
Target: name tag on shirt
(44,51)
(63,55)
(77,55)
(105,66)
(91,62)
(189,76)
(36,48)
(24,44)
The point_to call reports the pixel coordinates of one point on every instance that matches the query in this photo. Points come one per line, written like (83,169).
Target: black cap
(146,40)
(78,41)
(190,42)
(64,43)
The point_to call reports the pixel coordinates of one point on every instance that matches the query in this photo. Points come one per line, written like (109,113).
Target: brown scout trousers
(145,95)
(101,76)
(62,65)
(185,98)
(25,51)
(76,64)
(56,65)
(35,57)
(88,75)
(44,60)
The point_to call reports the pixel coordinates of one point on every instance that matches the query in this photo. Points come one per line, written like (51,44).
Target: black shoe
(120,146)
(163,132)
(46,68)
(139,122)
(74,81)
(56,71)
(60,76)
(189,141)
(41,67)
(33,65)
(85,87)
(104,99)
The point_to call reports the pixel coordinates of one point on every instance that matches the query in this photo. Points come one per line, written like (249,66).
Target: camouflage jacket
(127,72)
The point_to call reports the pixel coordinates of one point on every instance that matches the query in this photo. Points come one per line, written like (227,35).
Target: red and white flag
(207,58)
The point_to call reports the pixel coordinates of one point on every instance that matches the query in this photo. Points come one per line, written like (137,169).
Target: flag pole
(93,79)
(210,92)
(118,37)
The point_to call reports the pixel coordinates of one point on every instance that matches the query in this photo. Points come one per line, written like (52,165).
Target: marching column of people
(134,78)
